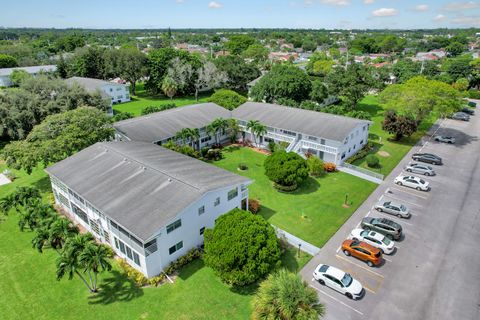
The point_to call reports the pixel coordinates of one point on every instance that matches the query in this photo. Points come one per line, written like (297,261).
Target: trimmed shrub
(272,146)
(120,115)
(474,94)
(372,160)
(315,166)
(362,153)
(286,168)
(330,167)
(281,188)
(153,109)
(242,166)
(132,273)
(214,154)
(253,206)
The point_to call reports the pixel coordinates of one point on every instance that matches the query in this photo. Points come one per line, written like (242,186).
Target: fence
(377,177)
(296,242)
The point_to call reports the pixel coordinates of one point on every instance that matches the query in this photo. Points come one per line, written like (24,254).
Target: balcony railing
(317,146)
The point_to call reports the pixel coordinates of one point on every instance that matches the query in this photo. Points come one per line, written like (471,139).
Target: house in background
(150,204)
(5,73)
(114,92)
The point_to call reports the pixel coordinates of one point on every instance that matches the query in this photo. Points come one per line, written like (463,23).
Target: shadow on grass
(310,185)
(43,185)
(266,212)
(117,287)
(289,261)
(248,290)
(191,268)
(373,109)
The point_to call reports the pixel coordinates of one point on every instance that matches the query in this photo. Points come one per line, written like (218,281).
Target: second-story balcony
(317,146)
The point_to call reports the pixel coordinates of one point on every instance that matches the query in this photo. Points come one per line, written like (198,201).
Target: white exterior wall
(356,140)
(189,232)
(118,92)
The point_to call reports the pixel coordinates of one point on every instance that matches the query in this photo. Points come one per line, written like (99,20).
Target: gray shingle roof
(318,124)
(30,70)
(140,185)
(162,125)
(91,84)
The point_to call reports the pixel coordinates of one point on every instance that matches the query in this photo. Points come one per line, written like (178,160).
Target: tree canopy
(7,61)
(238,72)
(58,137)
(286,168)
(227,98)
(241,248)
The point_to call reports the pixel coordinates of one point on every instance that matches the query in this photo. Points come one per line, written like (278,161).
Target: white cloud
(467,20)
(368,1)
(385,12)
(336,2)
(215,5)
(179,1)
(421,7)
(460,6)
(439,18)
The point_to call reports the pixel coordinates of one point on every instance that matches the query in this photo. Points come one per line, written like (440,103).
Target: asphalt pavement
(434,273)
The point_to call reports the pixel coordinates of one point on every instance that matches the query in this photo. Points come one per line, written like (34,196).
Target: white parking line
(387,259)
(339,247)
(380,199)
(365,268)
(341,302)
(413,194)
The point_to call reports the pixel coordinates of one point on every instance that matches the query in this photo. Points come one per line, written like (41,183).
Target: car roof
(337,273)
(388,222)
(376,235)
(364,245)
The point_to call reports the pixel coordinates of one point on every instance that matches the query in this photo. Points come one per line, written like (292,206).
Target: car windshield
(386,241)
(422,181)
(403,208)
(347,280)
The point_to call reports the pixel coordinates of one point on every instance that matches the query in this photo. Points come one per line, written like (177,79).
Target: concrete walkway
(360,174)
(4,179)
(295,241)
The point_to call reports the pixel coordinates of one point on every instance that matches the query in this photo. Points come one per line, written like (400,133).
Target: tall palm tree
(41,239)
(233,128)
(61,230)
(28,218)
(284,295)
(169,86)
(194,136)
(260,129)
(95,258)
(212,129)
(68,265)
(183,135)
(256,128)
(222,126)
(6,204)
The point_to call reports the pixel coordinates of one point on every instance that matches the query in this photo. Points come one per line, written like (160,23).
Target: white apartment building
(150,204)
(5,73)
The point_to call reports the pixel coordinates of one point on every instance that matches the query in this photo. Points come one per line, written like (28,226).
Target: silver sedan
(394,208)
(420,169)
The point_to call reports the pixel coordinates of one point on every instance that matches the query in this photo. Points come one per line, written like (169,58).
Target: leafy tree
(237,44)
(58,137)
(372,160)
(458,67)
(399,125)
(133,66)
(405,69)
(120,115)
(319,64)
(475,73)
(283,81)
(208,77)
(454,49)
(227,98)
(238,72)
(87,62)
(241,248)
(461,84)
(19,76)
(257,52)
(309,45)
(350,84)
(7,61)
(315,166)
(420,96)
(286,169)
(284,295)
(319,91)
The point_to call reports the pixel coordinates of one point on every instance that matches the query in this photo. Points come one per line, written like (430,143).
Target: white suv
(412,182)
(375,239)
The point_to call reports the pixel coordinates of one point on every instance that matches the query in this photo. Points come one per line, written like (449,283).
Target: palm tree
(6,204)
(183,135)
(95,258)
(256,128)
(169,87)
(28,218)
(61,230)
(41,239)
(233,128)
(260,129)
(194,135)
(222,125)
(68,265)
(284,295)
(212,130)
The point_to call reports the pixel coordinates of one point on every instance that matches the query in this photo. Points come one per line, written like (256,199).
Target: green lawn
(314,212)
(389,152)
(143,100)
(29,289)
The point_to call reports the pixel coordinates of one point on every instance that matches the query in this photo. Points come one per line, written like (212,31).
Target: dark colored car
(469,111)
(363,251)
(387,227)
(461,116)
(427,157)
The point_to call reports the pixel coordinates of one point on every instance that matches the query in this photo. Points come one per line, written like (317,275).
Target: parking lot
(434,272)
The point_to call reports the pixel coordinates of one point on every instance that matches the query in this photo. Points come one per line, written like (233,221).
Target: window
(63,200)
(129,252)
(201,210)
(232,194)
(95,227)
(122,247)
(150,247)
(343,155)
(202,230)
(364,128)
(177,224)
(80,213)
(312,138)
(361,142)
(116,243)
(206,139)
(217,202)
(136,258)
(175,248)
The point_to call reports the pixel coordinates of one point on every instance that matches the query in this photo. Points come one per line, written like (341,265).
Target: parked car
(394,208)
(387,227)
(375,239)
(420,168)
(412,182)
(427,157)
(468,111)
(445,139)
(461,116)
(338,280)
(362,251)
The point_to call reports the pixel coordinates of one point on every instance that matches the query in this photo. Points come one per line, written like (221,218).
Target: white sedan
(412,182)
(375,239)
(338,280)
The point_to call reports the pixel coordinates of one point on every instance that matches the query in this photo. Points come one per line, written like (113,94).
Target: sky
(311,14)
